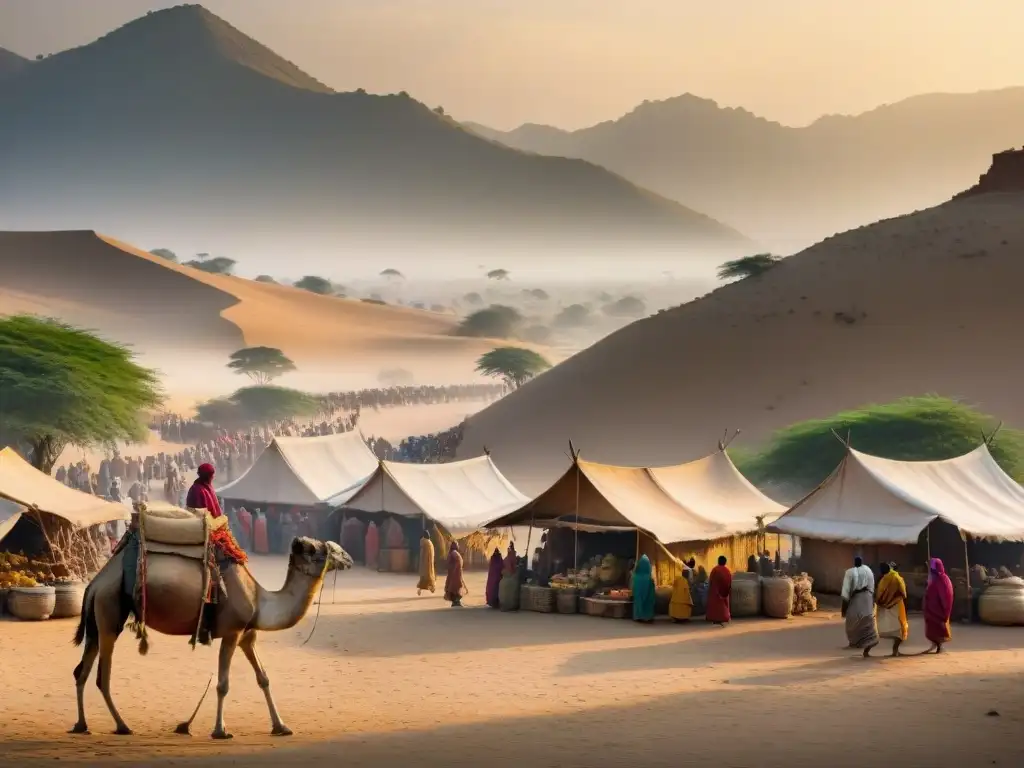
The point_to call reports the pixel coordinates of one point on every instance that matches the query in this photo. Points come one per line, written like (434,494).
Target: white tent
(703,500)
(305,471)
(870,500)
(27,487)
(459,496)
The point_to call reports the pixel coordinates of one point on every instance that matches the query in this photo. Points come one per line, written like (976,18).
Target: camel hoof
(221,735)
(281,730)
(81,728)
(183,729)
(124,730)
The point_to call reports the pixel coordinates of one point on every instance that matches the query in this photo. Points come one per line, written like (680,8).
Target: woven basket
(567,600)
(534,598)
(777,594)
(32,603)
(508,593)
(1002,603)
(68,600)
(745,600)
(609,609)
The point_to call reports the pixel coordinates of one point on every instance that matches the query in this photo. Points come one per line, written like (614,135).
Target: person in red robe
(719,590)
(938,606)
(201,495)
(454,584)
(245,521)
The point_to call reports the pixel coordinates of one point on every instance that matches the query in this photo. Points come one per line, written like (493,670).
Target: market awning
(10,513)
(24,485)
(871,500)
(305,471)
(459,496)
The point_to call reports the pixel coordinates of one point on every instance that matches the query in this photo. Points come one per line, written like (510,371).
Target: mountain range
(178,121)
(791,186)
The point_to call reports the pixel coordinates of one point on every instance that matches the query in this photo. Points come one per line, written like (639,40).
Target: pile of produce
(20,571)
(803,600)
(571,580)
(617,594)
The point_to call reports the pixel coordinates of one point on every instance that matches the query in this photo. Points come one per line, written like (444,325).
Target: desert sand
(184,320)
(924,303)
(388,678)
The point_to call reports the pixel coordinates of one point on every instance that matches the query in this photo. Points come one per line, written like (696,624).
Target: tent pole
(967,575)
(576,527)
(529,534)
(928,542)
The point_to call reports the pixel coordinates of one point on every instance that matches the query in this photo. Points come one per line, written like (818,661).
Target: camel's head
(316,557)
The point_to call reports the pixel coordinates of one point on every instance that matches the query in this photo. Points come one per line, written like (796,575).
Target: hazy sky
(576,62)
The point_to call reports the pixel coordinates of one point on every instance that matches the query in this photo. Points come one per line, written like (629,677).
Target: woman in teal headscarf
(643,591)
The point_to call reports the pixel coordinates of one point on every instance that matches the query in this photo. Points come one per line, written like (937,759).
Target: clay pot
(32,603)
(68,600)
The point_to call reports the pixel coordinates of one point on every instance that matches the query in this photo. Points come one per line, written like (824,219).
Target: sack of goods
(803,600)
(1002,603)
(778,597)
(745,600)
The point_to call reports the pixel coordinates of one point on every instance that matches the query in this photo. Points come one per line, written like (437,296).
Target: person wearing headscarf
(428,578)
(643,591)
(680,607)
(938,606)
(511,559)
(859,607)
(494,574)
(454,585)
(201,494)
(719,593)
(891,598)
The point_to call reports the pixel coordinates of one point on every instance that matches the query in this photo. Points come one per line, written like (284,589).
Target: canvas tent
(23,487)
(305,472)
(460,497)
(10,513)
(703,500)
(870,500)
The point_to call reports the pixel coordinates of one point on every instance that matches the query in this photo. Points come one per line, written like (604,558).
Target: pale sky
(573,63)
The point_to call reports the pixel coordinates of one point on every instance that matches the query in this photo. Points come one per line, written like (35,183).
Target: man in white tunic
(859,606)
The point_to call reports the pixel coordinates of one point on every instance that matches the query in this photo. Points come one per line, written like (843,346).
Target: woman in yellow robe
(681,606)
(428,576)
(891,599)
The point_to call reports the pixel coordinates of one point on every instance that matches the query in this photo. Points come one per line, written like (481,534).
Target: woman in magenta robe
(201,495)
(494,578)
(938,606)
(719,591)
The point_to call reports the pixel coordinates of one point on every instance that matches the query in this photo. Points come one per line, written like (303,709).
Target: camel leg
(89,653)
(228,644)
(248,646)
(106,651)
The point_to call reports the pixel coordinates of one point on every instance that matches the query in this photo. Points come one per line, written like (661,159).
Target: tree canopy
(911,429)
(513,365)
(627,306)
(165,253)
(748,266)
(316,284)
(63,386)
(573,316)
(495,322)
(259,405)
(265,279)
(261,364)
(498,274)
(392,274)
(217,265)
(473,298)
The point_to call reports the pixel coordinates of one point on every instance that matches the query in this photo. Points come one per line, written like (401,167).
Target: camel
(174,586)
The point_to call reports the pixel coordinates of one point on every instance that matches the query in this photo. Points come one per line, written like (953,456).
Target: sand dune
(924,303)
(176,314)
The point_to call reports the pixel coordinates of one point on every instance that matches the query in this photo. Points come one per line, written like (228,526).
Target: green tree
(392,274)
(259,405)
(573,316)
(217,265)
(748,266)
(265,279)
(498,274)
(315,284)
(261,364)
(63,386)
(513,365)
(495,322)
(165,253)
(911,429)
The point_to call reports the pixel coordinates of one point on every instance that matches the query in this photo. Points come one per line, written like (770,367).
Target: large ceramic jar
(68,600)
(32,603)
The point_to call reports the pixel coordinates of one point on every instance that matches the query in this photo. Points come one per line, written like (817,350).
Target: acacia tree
(165,253)
(217,265)
(497,322)
(498,274)
(748,266)
(513,365)
(392,274)
(316,284)
(261,364)
(63,386)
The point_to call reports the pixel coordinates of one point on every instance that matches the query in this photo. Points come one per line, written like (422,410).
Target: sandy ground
(391,679)
(926,303)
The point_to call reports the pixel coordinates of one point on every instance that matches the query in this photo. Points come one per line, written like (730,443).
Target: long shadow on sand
(940,722)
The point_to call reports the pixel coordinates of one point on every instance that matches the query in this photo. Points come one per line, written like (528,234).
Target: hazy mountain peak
(188,35)
(10,62)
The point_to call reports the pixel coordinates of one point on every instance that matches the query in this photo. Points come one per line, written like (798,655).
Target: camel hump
(187,530)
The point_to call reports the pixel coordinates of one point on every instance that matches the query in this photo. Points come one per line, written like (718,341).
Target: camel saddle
(173,531)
